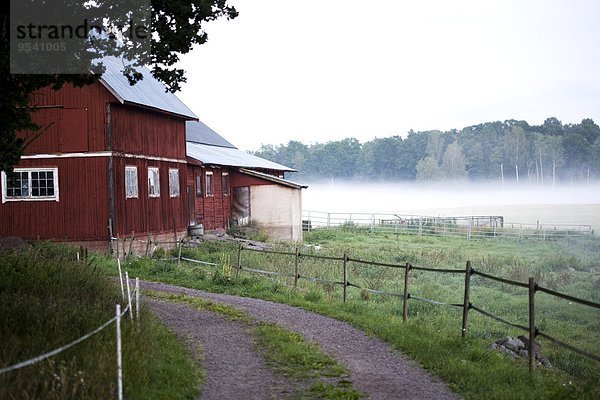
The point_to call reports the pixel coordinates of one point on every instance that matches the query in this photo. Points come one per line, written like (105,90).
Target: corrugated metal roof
(198,132)
(148,92)
(273,179)
(229,156)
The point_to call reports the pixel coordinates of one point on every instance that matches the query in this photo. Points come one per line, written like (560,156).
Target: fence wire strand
(568,346)
(261,271)
(59,350)
(567,297)
(437,303)
(487,314)
(495,278)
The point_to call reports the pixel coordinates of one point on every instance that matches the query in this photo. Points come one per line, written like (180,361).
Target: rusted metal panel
(81,212)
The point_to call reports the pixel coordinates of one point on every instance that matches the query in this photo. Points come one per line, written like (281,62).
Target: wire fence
(119,314)
(469,227)
(466,306)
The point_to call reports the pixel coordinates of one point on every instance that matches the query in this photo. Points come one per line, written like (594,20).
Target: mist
(568,204)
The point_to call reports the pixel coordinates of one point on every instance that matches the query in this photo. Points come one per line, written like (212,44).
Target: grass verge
(47,299)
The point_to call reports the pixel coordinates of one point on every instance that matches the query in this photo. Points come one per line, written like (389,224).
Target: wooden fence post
(131,244)
(466,301)
(110,233)
(531,347)
(175,228)
(297,267)
(148,241)
(345,277)
(117,249)
(239,261)
(405,302)
(179,254)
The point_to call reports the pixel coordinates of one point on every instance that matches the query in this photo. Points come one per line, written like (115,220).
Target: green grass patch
(47,300)
(293,356)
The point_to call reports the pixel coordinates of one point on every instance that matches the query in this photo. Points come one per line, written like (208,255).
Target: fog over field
(565,204)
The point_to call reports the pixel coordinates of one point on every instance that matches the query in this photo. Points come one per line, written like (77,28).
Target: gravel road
(375,368)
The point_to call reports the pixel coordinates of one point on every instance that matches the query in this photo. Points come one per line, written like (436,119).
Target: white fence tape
(42,357)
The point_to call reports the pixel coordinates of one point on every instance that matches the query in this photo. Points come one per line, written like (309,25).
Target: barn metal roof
(198,132)
(271,178)
(230,156)
(148,92)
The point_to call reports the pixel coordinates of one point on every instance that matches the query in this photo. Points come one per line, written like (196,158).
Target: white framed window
(225,183)
(131,182)
(209,184)
(153,182)
(30,184)
(173,182)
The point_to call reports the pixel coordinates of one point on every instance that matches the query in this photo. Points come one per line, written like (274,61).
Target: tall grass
(47,299)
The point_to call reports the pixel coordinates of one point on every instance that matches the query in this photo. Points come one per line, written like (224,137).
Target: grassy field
(432,333)
(47,300)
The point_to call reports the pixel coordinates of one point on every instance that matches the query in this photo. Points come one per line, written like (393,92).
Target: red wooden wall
(70,107)
(81,212)
(211,211)
(140,131)
(147,214)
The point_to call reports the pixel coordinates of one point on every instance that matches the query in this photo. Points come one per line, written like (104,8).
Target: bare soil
(375,368)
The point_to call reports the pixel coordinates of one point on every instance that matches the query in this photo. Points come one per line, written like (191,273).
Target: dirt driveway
(234,371)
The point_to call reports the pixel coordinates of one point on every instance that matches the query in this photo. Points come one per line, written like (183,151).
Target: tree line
(509,151)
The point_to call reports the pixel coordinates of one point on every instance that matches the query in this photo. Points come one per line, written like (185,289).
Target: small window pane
(131,182)
(42,183)
(174,182)
(225,183)
(209,186)
(17,185)
(153,182)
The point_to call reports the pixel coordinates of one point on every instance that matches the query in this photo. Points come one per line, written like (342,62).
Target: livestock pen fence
(132,301)
(295,273)
(470,227)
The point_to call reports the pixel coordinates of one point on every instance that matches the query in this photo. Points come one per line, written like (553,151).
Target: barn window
(209,184)
(225,182)
(131,182)
(198,185)
(153,182)
(174,182)
(30,184)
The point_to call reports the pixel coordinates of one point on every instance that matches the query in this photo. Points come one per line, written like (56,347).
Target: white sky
(324,70)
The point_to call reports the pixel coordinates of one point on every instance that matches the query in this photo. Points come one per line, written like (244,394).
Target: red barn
(110,161)
(113,160)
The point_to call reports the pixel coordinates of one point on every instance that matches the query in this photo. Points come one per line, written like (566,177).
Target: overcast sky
(324,70)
